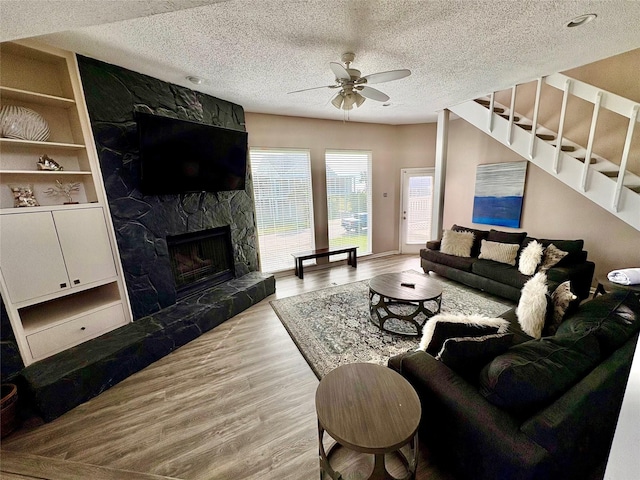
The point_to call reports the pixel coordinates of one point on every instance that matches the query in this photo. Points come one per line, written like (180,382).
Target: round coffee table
(370,409)
(408,307)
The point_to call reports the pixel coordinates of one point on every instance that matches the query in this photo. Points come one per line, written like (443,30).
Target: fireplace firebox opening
(201,259)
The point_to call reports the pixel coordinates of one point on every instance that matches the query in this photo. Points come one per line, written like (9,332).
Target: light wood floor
(236,403)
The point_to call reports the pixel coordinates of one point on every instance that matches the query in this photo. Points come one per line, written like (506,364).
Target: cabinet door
(85,245)
(30,256)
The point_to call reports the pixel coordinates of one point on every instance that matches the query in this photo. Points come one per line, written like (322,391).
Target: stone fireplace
(201,259)
(144,224)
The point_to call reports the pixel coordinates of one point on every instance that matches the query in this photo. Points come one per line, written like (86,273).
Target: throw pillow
(499,252)
(532,306)
(467,355)
(552,255)
(530,258)
(457,243)
(443,326)
(561,299)
(479,236)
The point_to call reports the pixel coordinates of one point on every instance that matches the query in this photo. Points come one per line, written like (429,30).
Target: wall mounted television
(181,156)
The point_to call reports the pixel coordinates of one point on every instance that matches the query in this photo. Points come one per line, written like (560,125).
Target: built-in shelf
(62,280)
(43,172)
(31,143)
(9,93)
(54,312)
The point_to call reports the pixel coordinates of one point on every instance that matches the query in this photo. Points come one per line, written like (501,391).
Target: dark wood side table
(605,286)
(387,295)
(370,409)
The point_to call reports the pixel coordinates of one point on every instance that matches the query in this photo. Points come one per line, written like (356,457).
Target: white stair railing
(595,177)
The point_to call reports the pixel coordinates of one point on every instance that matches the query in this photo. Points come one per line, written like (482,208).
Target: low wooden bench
(324,252)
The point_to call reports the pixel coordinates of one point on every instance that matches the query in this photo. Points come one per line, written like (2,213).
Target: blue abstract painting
(499,194)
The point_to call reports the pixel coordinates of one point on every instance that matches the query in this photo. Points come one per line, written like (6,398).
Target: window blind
(284,205)
(349,198)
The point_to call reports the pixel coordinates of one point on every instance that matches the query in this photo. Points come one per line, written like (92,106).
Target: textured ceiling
(254,52)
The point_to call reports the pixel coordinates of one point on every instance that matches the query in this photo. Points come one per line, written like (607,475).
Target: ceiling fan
(353,88)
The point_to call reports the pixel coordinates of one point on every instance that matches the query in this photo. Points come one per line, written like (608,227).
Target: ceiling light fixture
(581,20)
(195,80)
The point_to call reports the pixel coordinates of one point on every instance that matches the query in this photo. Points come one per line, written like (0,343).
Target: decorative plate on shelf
(23,123)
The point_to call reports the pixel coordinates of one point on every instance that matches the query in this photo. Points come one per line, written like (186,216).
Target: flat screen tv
(180,156)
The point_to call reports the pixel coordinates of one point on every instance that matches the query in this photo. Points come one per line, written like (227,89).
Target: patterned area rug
(331,327)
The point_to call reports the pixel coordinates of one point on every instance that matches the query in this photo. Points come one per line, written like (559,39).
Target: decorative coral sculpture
(63,189)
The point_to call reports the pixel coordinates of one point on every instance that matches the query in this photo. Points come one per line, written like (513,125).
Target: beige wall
(550,210)
(392,147)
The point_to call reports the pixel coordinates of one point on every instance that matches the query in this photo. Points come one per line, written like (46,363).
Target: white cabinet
(46,252)
(61,279)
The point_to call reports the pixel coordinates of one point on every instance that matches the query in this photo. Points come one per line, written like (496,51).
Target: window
(284,205)
(349,199)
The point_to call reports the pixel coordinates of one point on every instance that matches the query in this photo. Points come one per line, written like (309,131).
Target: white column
(442,136)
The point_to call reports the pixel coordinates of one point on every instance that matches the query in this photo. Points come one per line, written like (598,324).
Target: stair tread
(582,159)
(486,103)
(545,136)
(515,118)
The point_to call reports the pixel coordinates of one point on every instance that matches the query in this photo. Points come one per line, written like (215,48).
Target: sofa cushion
(499,252)
(443,326)
(500,272)
(613,318)
(478,235)
(467,355)
(435,256)
(457,243)
(535,373)
(506,237)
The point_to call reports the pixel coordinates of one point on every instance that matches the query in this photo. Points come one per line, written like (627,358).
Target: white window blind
(349,198)
(284,205)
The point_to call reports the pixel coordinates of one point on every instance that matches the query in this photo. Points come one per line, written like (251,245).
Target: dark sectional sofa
(502,279)
(545,409)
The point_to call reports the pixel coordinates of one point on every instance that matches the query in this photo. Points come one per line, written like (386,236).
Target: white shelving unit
(62,281)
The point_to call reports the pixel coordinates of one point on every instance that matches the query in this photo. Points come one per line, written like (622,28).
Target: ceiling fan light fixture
(337,100)
(359,99)
(349,101)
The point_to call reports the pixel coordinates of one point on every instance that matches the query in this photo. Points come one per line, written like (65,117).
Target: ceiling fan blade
(314,88)
(373,94)
(339,71)
(385,76)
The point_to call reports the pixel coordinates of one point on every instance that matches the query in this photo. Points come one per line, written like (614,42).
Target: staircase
(603,181)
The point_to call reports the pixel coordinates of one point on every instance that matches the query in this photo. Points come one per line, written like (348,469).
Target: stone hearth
(61,382)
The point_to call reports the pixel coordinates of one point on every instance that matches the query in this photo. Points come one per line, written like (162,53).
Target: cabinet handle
(63,285)
(83,328)
(76,281)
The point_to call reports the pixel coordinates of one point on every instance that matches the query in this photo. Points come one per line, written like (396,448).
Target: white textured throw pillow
(530,258)
(457,243)
(500,324)
(499,252)
(532,307)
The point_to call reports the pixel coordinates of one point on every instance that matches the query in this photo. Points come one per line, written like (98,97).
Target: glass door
(417,208)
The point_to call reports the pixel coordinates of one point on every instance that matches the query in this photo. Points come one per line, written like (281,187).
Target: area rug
(331,327)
